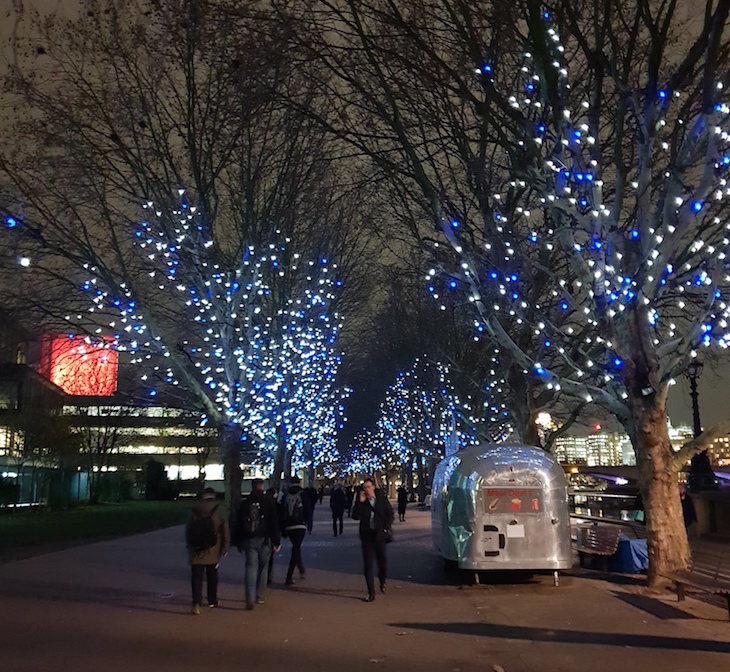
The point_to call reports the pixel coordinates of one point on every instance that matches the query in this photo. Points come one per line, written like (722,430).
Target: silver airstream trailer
(502,507)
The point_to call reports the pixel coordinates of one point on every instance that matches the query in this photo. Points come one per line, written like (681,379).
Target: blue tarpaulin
(631,556)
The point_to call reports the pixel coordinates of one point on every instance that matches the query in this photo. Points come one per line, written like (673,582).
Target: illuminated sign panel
(81,367)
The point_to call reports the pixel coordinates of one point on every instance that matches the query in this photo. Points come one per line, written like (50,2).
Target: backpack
(251,524)
(202,533)
(293,510)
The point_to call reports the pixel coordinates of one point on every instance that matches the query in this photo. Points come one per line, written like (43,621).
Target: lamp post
(693,373)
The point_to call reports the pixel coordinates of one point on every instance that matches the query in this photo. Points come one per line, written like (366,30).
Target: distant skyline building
(601,449)
(609,449)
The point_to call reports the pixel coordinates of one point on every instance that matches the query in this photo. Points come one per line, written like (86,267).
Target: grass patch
(25,533)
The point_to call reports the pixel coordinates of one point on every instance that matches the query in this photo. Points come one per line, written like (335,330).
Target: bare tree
(130,106)
(571,158)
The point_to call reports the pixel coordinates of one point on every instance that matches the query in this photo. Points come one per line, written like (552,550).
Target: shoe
(213,606)
(302,575)
(382,587)
(261,600)
(369,598)
(195,610)
(289,583)
(249,606)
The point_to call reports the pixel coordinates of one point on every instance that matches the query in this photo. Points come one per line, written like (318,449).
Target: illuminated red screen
(82,368)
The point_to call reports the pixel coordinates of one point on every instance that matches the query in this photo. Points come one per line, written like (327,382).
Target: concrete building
(109,432)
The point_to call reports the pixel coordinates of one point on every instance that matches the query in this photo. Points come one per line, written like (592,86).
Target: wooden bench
(597,541)
(709,572)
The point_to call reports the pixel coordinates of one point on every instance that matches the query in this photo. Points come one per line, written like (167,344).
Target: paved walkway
(123,605)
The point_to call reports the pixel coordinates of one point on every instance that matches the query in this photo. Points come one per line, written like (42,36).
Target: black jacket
(382,511)
(338,501)
(269,519)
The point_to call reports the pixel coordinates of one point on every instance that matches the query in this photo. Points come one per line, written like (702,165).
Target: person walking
(320,493)
(338,504)
(207,537)
(294,517)
(274,495)
(259,538)
(310,498)
(349,494)
(402,503)
(375,514)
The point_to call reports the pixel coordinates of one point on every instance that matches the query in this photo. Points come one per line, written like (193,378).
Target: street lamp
(693,373)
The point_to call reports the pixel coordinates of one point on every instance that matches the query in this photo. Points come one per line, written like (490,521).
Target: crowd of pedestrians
(264,518)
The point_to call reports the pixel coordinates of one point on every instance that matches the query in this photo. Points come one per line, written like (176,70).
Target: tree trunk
(421,477)
(288,466)
(521,410)
(282,465)
(228,446)
(666,535)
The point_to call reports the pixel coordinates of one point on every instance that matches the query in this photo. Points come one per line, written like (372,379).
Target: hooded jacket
(295,490)
(213,555)
(269,528)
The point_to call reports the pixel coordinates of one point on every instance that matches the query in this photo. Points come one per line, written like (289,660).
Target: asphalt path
(124,605)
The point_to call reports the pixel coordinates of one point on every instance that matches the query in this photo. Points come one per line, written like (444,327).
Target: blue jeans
(258,552)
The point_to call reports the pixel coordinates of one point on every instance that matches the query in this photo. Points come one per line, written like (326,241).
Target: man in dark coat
(338,503)
(402,503)
(689,512)
(375,514)
(258,536)
(349,495)
(207,539)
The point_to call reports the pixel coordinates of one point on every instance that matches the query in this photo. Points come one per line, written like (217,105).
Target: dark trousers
(271,569)
(374,549)
(337,516)
(196,580)
(402,511)
(296,537)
